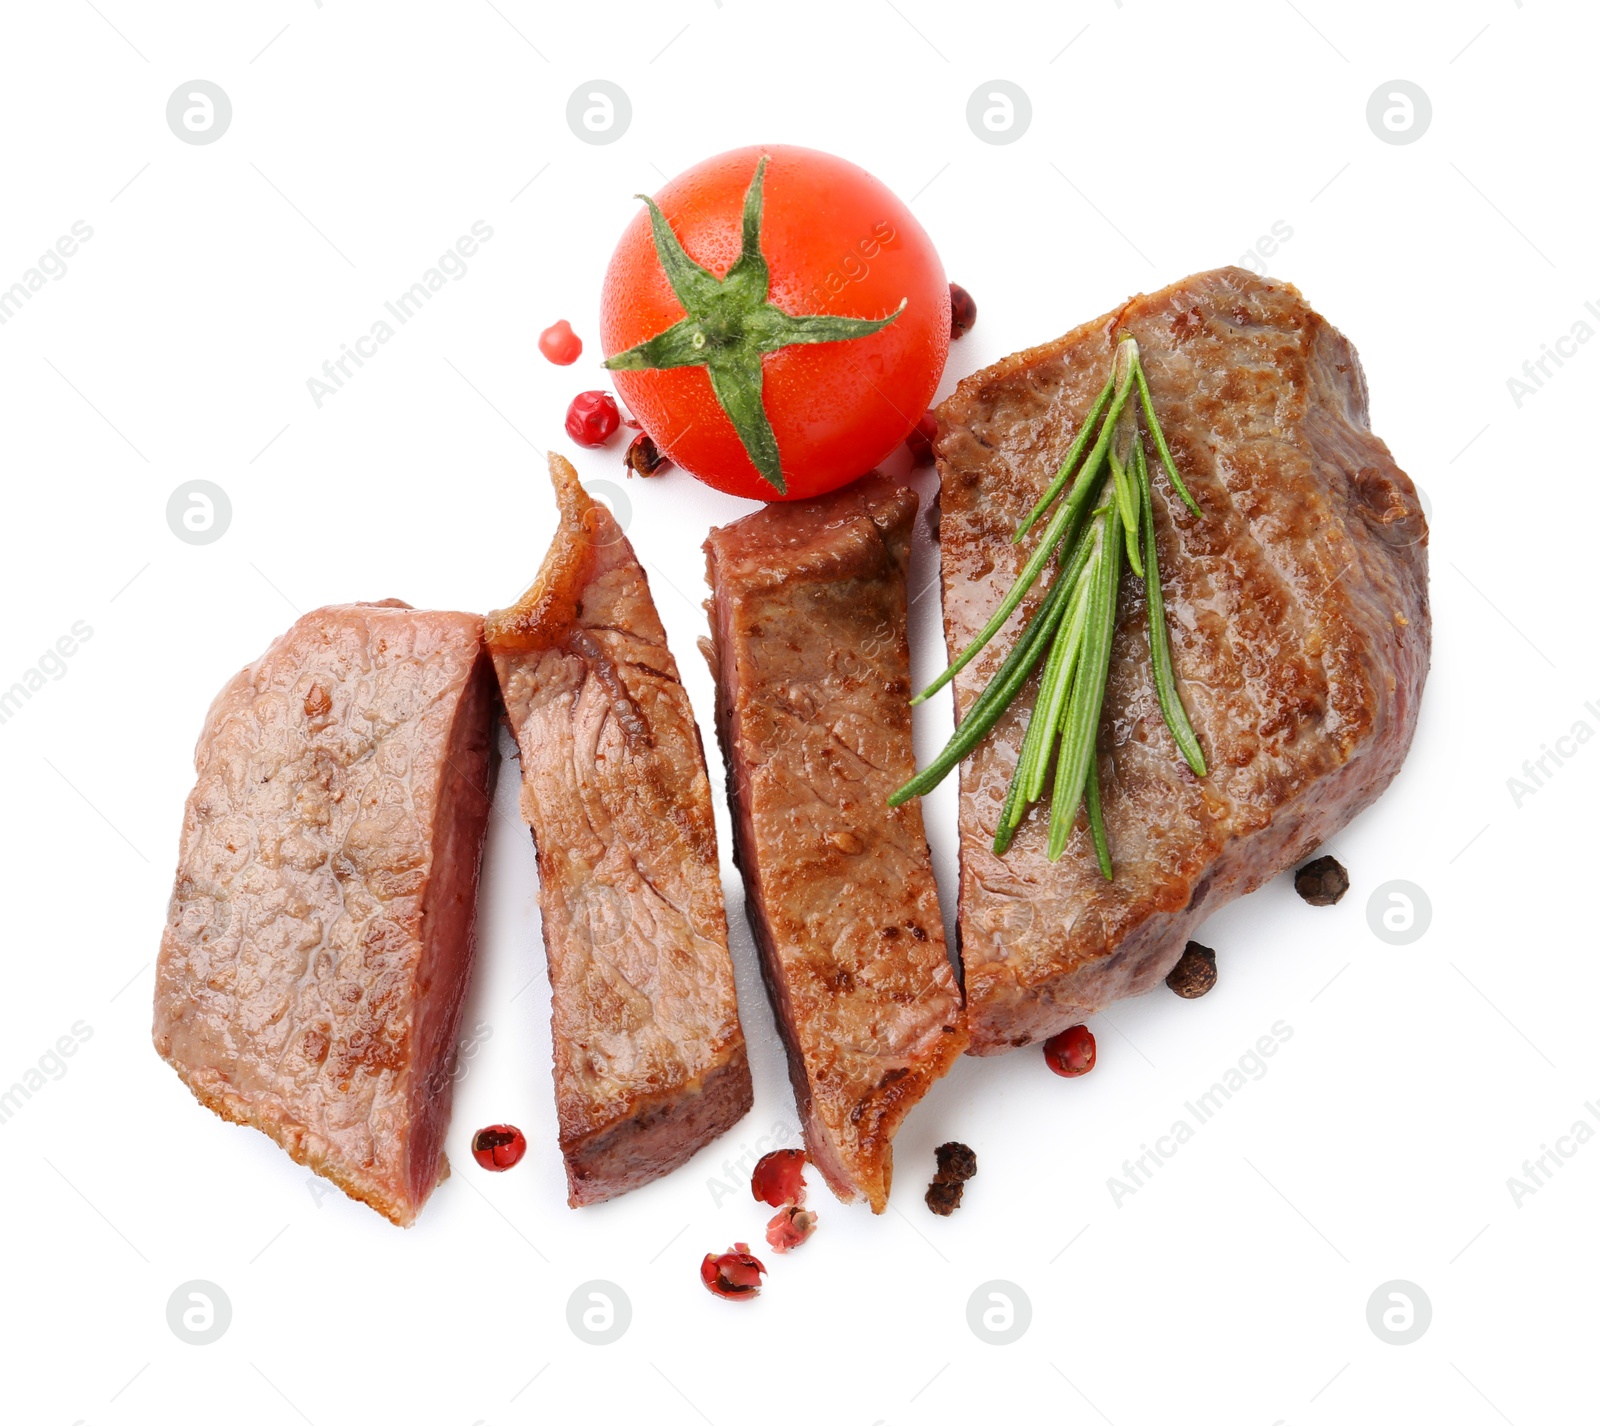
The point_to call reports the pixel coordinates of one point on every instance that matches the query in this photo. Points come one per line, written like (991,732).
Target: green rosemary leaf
(1017,799)
(1055,534)
(1097,822)
(1088,689)
(996,697)
(1058,671)
(1108,513)
(1161,440)
(1156,621)
(1074,451)
(1011,814)
(1128,503)
(1087,482)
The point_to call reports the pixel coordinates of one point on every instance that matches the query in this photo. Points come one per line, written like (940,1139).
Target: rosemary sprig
(1081,727)
(1107,514)
(1160,652)
(1161,440)
(1097,821)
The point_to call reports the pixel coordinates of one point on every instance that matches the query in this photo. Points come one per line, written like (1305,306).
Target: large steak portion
(650,1060)
(808,618)
(320,933)
(1300,633)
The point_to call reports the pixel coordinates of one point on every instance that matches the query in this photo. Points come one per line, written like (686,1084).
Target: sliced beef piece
(321,929)
(650,1061)
(808,620)
(1300,632)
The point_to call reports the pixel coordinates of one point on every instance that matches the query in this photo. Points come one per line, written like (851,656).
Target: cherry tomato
(837,243)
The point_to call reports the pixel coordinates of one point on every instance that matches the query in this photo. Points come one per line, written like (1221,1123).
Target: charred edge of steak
(663,1133)
(550,606)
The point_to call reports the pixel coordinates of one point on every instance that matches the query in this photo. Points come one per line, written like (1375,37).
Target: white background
(1166,138)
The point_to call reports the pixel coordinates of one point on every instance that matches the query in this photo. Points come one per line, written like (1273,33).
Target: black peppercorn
(1195,972)
(1322,882)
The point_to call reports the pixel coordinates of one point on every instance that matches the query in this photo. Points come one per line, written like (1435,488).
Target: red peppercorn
(778,1179)
(1070,1053)
(592,419)
(920,441)
(643,456)
(790,1228)
(499,1147)
(561,344)
(733,1274)
(963,312)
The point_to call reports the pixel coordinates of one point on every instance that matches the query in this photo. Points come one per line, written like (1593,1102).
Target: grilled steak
(808,620)
(650,1061)
(1300,633)
(1300,621)
(320,934)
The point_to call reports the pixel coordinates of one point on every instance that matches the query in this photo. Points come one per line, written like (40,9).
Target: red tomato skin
(837,241)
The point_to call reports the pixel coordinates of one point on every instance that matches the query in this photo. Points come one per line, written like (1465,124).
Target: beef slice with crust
(1298,610)
(650,1061)
(321,929)
(808,618)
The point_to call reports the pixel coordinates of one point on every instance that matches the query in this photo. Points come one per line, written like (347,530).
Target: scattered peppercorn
(790,1228)
(1195,972)
(779,1178)
(643,457)
(920,441)
(499,1147)
(733,1274)
(956,1163)
(561,344)
(963,311)
(1322,882)
(592,419)
(1070,1053)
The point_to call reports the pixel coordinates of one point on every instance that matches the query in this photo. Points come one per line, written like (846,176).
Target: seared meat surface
(808,617)
(650,1060)
(320,933)
(1300,633)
